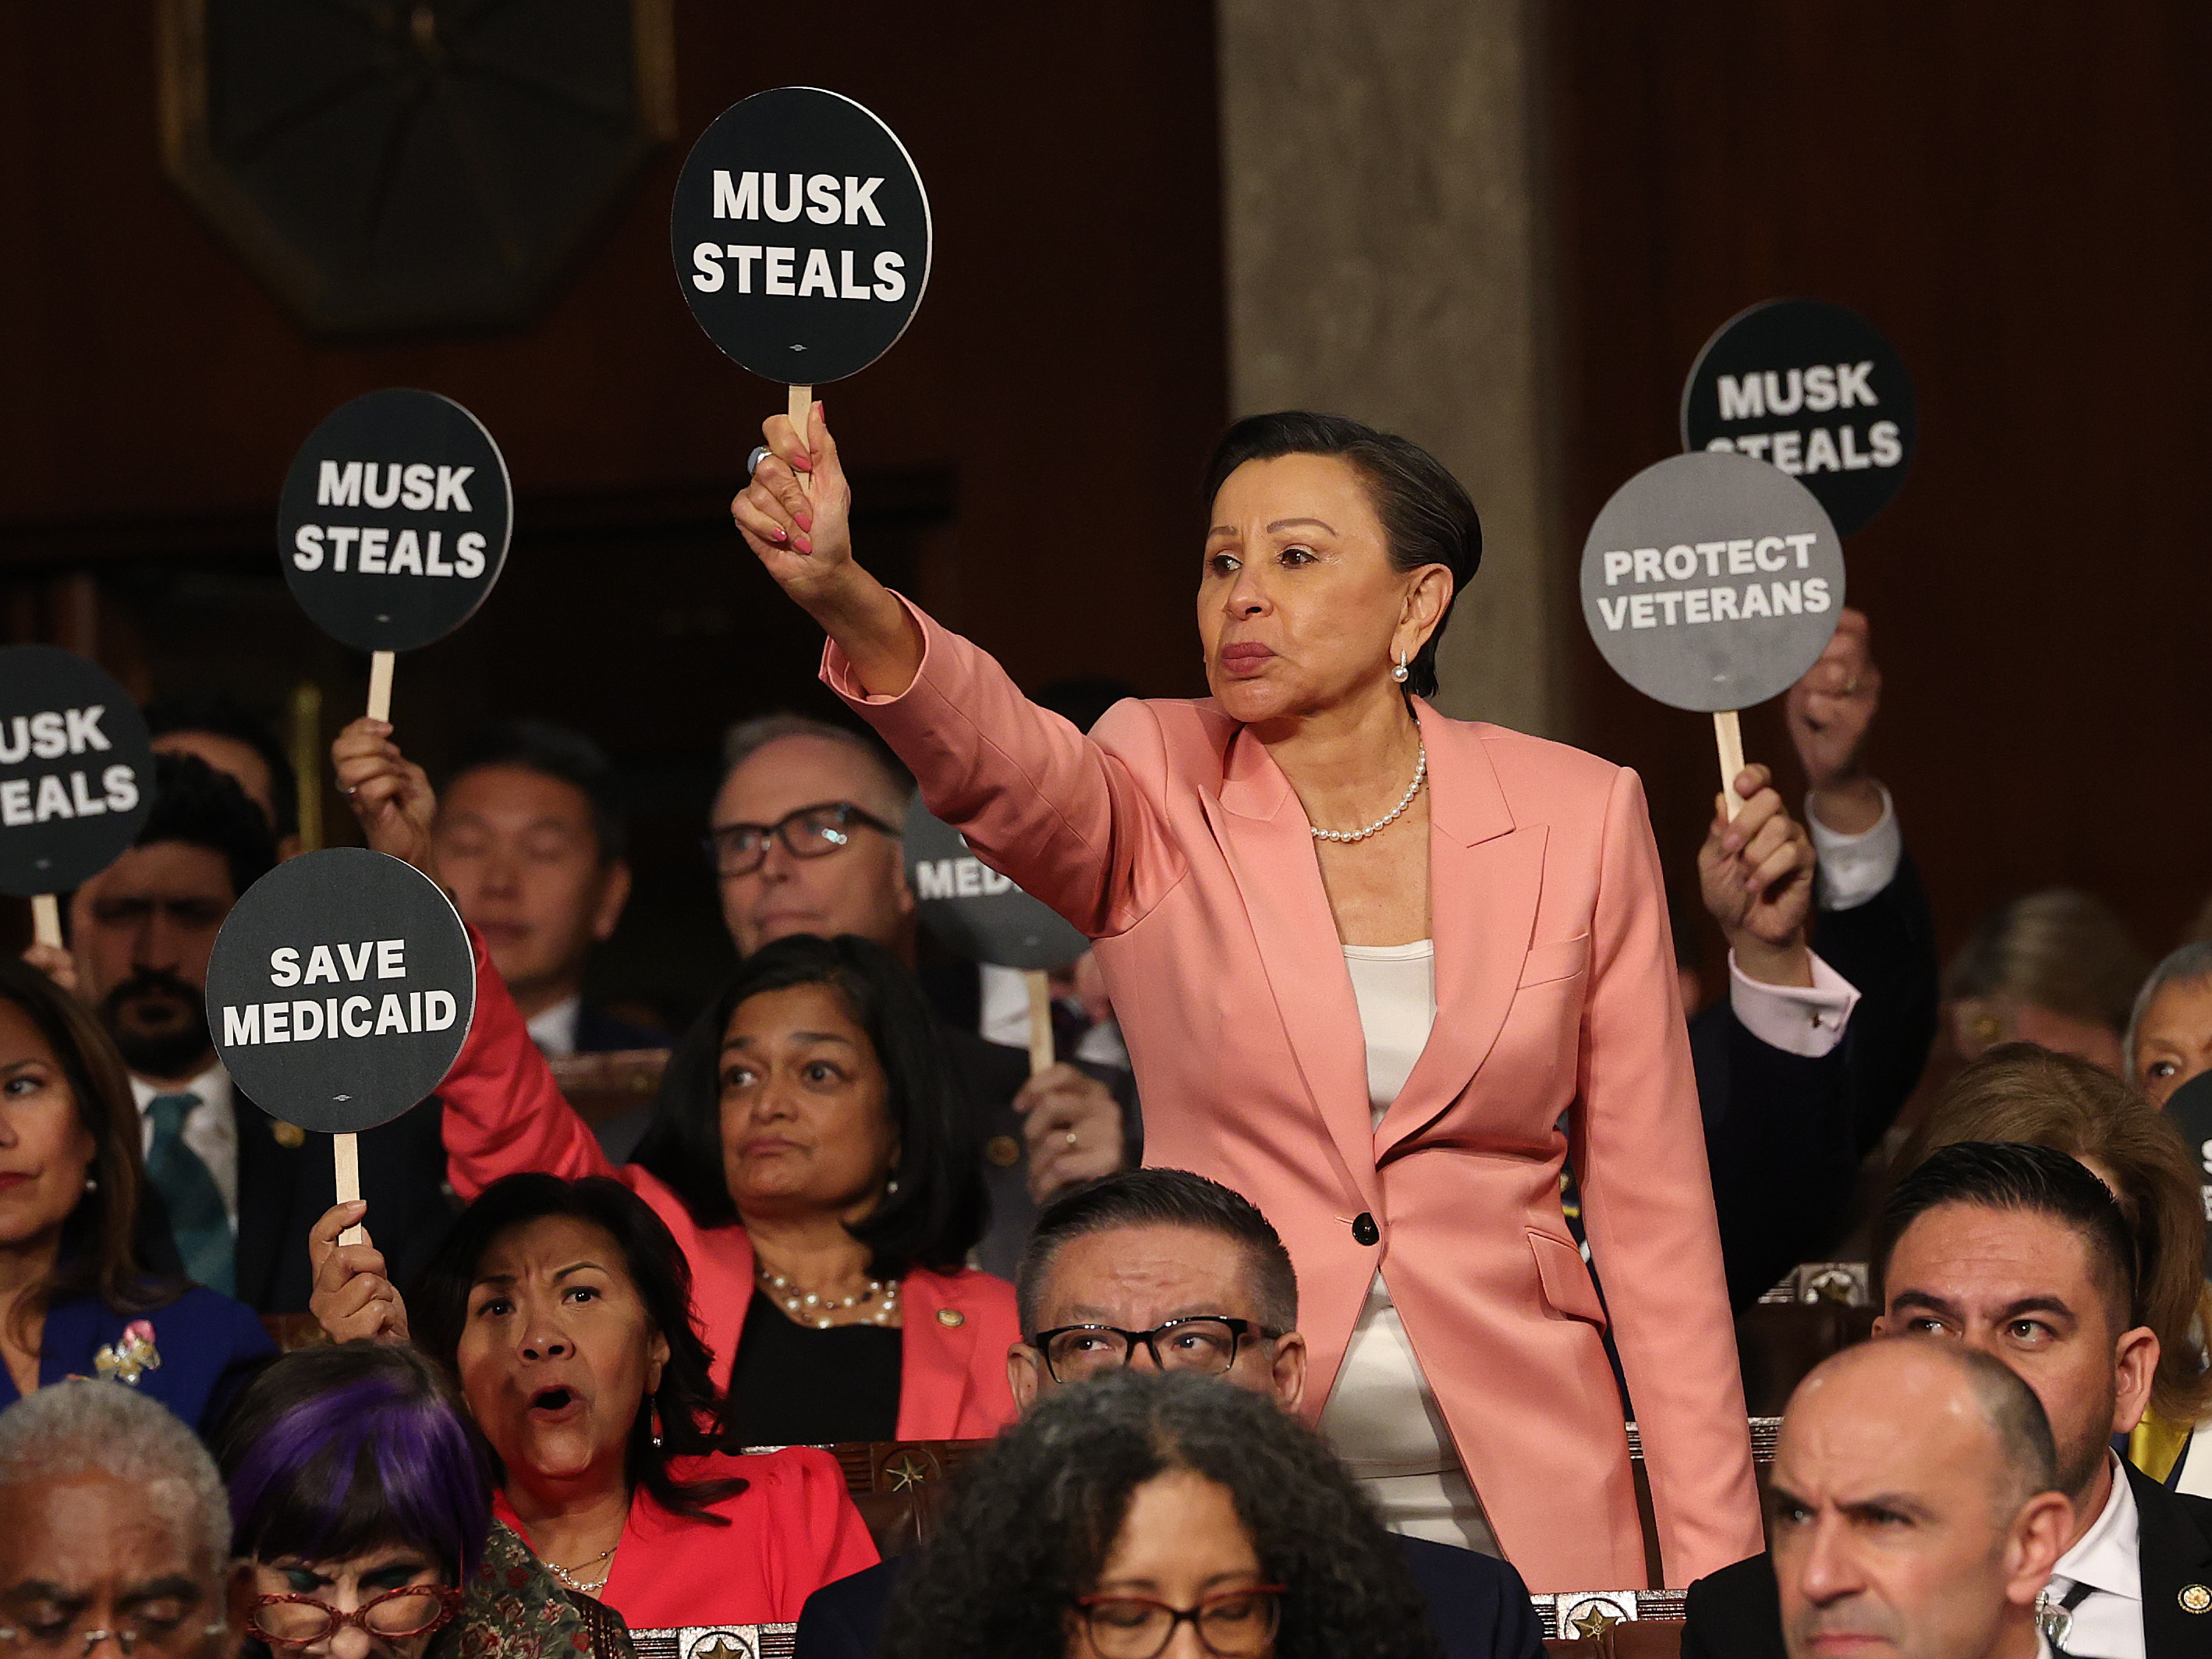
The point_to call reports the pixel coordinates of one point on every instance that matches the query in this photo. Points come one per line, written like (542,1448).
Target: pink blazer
(504,1114)
(1171,838)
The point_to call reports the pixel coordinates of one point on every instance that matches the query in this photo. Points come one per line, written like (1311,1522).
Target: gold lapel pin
(2195,1598)
(951,1317)
(291,1136)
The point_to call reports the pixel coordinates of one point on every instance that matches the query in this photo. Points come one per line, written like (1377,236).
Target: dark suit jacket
(1785,1135)
(1478,1606)
(1736,1613)
(282,1190)
(598,1033)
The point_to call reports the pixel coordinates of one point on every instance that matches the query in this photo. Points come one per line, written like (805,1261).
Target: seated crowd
(568,1386)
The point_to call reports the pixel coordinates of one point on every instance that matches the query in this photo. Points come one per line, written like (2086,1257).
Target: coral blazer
(504,1114)
(1172,838)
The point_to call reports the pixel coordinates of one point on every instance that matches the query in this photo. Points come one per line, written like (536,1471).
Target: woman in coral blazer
(1381,971)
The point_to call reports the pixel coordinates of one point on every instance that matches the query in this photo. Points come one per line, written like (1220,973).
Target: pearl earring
(890,1187)
(1399,672)
(91,1182)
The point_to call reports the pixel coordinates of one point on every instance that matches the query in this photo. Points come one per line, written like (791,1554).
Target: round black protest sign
(340,990)
(394,519)
(76,770)
(801,235)
(2188,1108)
(1711,581)
(1814,389)
(974,912)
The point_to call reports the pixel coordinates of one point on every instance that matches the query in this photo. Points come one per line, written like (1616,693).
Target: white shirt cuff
(1849,869)
(1807,1021)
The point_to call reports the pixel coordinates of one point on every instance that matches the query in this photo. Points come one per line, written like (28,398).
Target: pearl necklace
(803,1305)
(1420,775)
(567,1576)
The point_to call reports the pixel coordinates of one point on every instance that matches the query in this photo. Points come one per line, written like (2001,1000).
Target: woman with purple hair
(361,1500)
(564,1307)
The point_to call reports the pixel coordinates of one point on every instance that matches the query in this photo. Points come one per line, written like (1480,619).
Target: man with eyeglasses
(1161,1268)
(805,839)
(117,1534)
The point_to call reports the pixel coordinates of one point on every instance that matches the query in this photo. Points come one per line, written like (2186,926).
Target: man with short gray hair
(117,1526)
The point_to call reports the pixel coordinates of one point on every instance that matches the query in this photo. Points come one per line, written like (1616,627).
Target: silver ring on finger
(760,452)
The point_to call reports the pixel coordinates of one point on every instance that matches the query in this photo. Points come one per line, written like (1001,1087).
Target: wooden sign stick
(1040,990)
(345,1150)
(379,685)
(800,408)
(345,1153)
(46,920)
(1727,736)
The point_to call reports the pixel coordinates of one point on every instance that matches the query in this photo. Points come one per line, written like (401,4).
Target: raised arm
(1074,819)
(504,1113)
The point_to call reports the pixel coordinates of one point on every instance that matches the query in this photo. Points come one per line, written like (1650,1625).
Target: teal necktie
(197,1217)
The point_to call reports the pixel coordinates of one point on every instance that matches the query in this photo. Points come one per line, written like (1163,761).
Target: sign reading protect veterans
(974,912)
(76,770)
(341,989)
(1711,581)
(801,235)
(1814,389)
(394,521)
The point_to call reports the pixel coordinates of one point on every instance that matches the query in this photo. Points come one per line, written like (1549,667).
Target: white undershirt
(554,1030)
(1382,1416)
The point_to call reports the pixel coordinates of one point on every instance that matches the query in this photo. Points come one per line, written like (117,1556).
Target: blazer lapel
(1485,878)
(1268,845)
(2176,1558)
(937,1347)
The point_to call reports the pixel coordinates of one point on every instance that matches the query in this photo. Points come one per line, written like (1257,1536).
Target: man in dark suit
(1196,1275)
(530,841)
(239,1188)
(2020,1252)
(1832,982)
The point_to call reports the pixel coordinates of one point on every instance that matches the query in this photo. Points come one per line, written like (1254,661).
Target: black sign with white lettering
(974,912)
(394,519)
(1711,581)
(801,235)
(341,989)
(2188,1108)
(1814,389)
(76,770)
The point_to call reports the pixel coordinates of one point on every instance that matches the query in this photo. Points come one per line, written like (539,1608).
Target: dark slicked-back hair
(219,717)
(2006,1176)
(333,1452)
(1161,1198)
(197,805)
(556,752)
(1034,1519)
(1426,515)
(940,1209)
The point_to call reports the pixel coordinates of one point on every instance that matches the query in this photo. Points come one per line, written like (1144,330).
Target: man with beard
(239,1188)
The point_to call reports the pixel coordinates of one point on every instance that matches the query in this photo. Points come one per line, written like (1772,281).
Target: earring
(890,1188)
(1400,672)
(91,1182)
(656,1423)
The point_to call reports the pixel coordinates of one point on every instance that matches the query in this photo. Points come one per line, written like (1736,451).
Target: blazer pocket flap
(1565,1277)
(1560,959)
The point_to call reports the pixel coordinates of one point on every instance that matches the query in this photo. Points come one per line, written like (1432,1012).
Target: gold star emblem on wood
(908,1470)
(1593,1618)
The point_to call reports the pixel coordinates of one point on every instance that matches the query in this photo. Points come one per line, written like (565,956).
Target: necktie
(197,1217)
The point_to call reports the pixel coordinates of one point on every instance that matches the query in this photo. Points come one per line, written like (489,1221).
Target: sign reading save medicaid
(974,912)
(394,521)
(801,235)
(76,770)
(1815,390)
(341,989)
(1711,581)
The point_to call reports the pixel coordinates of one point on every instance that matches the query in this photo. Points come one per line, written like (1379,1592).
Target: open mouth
(554,1405)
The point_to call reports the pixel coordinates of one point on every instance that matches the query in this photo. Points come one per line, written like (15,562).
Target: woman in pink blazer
(1379,970)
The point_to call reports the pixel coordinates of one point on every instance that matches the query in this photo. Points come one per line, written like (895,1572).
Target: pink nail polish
(802,544)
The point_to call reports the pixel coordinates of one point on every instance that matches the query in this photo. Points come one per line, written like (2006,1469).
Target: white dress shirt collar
(2108,1623)
(554,1030)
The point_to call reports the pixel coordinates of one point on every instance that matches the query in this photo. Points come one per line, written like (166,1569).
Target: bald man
(1915,1506)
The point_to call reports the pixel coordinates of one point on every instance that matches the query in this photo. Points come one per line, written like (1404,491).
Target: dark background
(2015,196)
